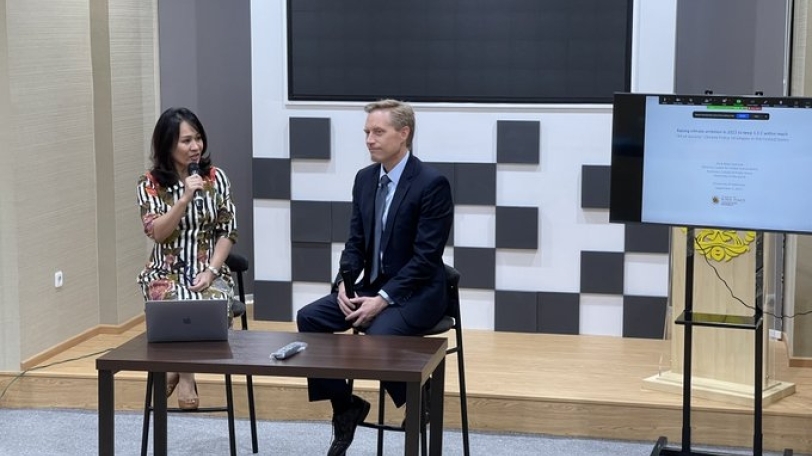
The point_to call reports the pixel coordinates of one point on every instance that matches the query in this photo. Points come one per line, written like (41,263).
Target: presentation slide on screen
(728,166)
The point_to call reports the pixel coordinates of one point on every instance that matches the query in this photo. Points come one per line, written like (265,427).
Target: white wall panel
(457,136)
(271,256)
(476,309)
(601,315)
(646,274)
(474,226)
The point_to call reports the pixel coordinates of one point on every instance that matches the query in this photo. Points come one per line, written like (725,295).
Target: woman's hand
(191,184)
(202,281)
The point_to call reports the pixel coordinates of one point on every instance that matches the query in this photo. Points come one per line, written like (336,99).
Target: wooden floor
(586,386)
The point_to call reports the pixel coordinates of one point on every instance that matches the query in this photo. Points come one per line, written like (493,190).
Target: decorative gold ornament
(722,245)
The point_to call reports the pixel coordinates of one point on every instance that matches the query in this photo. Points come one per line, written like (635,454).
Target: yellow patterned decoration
(722,245)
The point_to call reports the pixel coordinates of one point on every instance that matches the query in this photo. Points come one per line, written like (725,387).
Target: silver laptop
(186,320)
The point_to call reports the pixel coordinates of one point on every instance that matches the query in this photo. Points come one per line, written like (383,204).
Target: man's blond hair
(401,115)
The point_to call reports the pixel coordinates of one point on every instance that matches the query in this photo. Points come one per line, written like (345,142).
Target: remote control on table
(289,350)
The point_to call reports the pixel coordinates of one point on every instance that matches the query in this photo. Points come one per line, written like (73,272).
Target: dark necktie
(380,206)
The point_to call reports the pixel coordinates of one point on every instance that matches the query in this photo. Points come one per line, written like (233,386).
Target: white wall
(571,136)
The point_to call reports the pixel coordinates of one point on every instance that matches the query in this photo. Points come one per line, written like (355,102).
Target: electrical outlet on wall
(58,279)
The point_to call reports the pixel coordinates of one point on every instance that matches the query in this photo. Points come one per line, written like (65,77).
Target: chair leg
(252,412)
(463,397)
(424,446)
(381,413)
(232,440)
(147,412)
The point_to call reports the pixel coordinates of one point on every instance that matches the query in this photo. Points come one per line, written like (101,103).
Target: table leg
(159,413)
(107,415)
(437,397)
(412,419)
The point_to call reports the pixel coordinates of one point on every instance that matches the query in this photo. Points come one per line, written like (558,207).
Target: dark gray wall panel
(518,141)
(311,221)
(224,100)
(559,313)
(595,186)
(341,213)
(205,65)
(271,177)
(517,227)
(644,316)
(647,238)
(309,137)
(275,304)
(515,311)
(475,184)
(476,266)
(311,262)
(602,272)
(447,170)
(178,56)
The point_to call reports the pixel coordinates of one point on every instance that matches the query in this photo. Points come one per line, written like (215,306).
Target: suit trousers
(324,315)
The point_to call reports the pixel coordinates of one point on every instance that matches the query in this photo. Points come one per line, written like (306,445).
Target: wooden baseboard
(79,338)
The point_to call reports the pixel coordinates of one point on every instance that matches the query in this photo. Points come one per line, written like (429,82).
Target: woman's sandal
(190,403)
(172,379)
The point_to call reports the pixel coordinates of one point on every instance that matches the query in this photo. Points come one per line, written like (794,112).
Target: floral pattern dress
(174,263)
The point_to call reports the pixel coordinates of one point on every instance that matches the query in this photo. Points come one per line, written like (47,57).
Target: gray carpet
(74,432)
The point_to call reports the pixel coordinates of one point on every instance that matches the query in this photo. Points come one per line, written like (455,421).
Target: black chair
(450,321)
(238,265)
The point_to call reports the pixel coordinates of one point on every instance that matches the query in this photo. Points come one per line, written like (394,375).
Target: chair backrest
(452,277)
(238,264)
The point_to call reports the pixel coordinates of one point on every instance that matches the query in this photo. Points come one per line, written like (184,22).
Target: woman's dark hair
(165,138)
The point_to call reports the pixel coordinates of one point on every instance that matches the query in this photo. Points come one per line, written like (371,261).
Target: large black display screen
(487,51)
(713,161)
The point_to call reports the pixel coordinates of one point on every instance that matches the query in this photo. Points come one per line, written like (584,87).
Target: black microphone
(347,278)
(194,170)
(349,283)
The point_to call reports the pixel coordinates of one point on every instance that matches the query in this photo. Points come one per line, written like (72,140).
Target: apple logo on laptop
(187,320)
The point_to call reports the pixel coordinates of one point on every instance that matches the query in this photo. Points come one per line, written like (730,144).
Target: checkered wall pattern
(317,225)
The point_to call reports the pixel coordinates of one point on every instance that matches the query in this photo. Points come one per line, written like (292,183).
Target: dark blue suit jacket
(417,228)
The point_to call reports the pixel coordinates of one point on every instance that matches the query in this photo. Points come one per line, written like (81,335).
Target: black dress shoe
(344,425)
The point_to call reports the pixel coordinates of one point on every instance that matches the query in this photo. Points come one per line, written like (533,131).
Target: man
(401,218)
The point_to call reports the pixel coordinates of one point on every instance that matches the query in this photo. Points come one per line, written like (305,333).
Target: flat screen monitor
(714,161)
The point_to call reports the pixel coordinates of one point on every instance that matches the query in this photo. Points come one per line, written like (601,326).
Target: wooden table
(388,358)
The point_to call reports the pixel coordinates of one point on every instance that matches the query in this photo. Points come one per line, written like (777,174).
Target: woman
(191,218)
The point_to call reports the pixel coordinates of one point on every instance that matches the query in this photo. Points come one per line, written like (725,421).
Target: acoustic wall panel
(475,184)
(558,313)
(595,187)
(517,141)
(274,301)
(644,316)
(271,178)
(311,221)
(517,227)
(515,311)
(647,238)
(310,138)
(341,213)
(602,272)
(311,262)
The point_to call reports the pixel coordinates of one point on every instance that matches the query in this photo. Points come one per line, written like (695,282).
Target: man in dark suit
(401,218)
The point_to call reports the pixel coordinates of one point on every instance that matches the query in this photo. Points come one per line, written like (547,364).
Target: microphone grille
(193,168)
